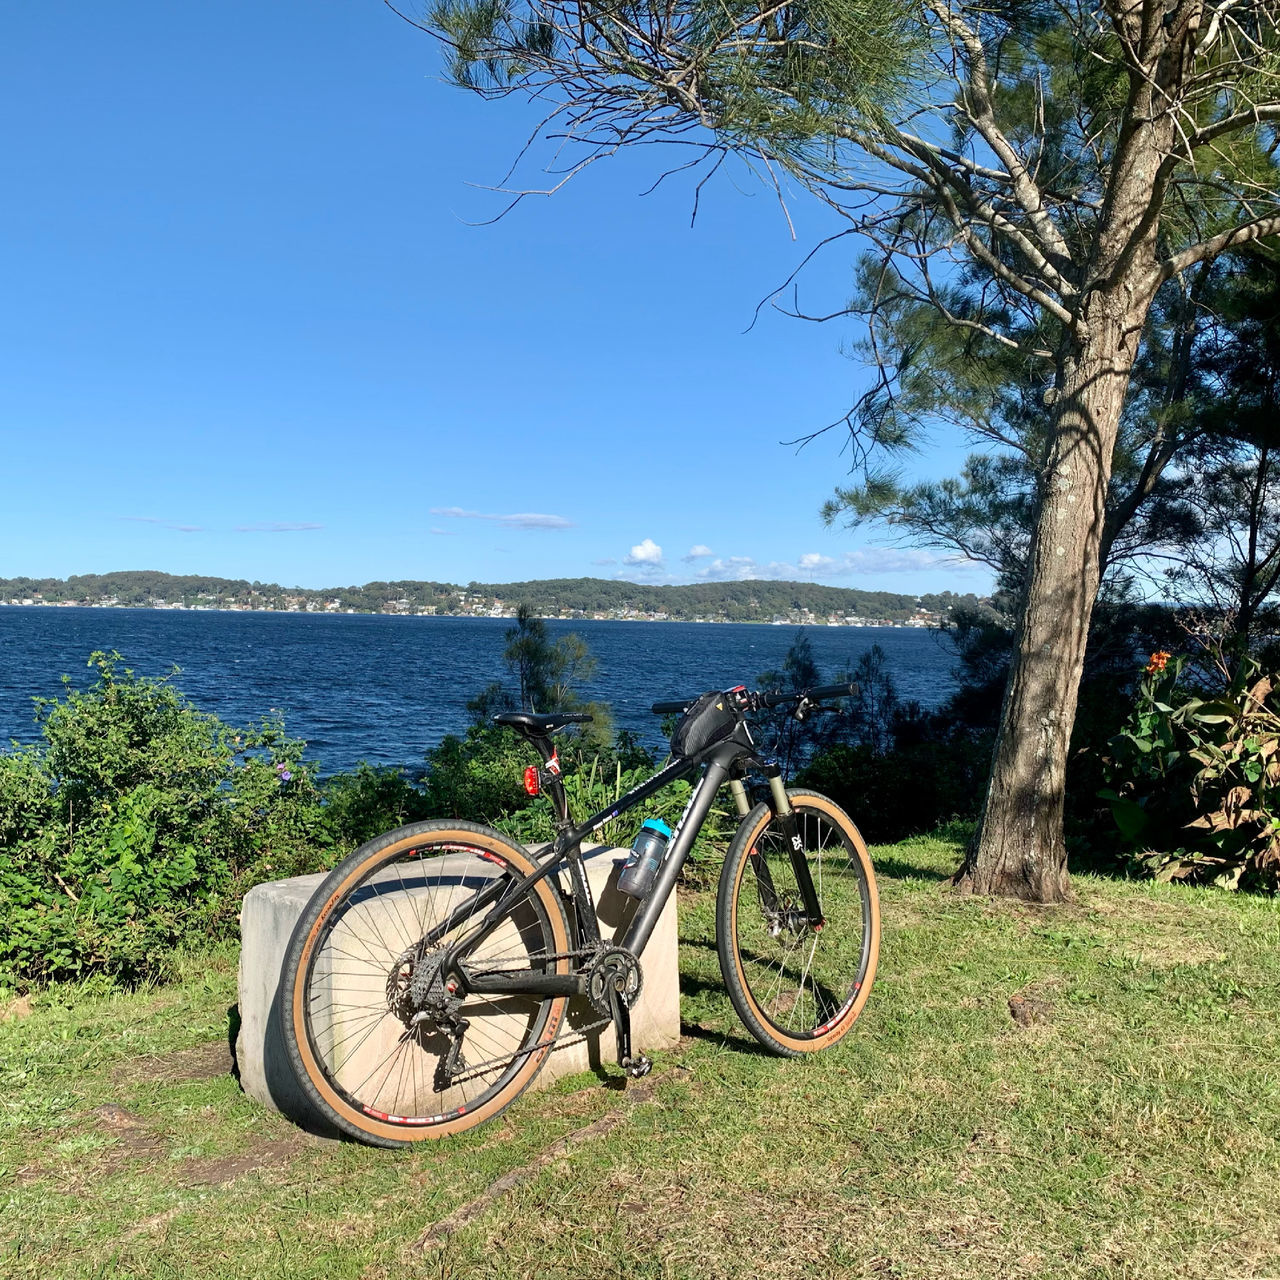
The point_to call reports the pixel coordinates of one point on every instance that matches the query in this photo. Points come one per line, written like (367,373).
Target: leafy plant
(1203,772)
(139,822)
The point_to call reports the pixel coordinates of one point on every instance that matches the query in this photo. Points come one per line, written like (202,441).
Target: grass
(1130,1128)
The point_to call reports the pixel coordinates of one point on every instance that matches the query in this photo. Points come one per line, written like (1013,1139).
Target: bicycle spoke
(381,1036)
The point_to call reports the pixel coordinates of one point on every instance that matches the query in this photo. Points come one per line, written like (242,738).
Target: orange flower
(1158,662)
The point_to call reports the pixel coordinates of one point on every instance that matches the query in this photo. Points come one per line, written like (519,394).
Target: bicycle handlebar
(821,694)
(756,701)
(666,708)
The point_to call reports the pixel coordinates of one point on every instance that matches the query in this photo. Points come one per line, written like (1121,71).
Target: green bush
(140,821)
(364,804)
(1195,781)
(915,787)
(480,776)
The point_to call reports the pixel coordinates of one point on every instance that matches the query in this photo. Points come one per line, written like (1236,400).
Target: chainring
(613,969)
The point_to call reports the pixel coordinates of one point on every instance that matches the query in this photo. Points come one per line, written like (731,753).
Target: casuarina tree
(1072,155)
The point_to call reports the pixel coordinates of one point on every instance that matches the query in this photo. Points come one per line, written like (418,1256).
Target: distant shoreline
(911,625)
(755,600)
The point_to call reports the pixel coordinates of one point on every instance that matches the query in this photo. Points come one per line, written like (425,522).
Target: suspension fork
(781,803)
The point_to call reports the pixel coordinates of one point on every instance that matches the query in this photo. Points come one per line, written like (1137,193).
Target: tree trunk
(1019,850)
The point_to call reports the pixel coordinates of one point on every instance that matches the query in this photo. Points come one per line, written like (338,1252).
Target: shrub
(138,821)
(478,776)
(914,788)
(364,804)
(1195,781)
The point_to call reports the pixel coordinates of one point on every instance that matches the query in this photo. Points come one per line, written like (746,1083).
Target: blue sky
(251,329)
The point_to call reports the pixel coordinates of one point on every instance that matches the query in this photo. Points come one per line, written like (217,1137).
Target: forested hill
(751,601)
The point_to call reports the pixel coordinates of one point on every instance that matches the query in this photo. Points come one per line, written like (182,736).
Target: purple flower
(283,771)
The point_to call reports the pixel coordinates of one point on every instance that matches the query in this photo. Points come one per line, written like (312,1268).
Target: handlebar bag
(708,721)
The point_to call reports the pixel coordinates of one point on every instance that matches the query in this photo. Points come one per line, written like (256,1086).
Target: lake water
(386,689)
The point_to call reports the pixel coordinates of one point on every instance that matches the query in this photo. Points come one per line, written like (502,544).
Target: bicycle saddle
(539,726)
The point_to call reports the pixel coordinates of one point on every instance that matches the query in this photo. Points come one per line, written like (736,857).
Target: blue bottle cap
(657,824)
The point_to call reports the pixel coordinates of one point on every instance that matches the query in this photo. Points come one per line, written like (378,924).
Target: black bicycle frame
(567,849)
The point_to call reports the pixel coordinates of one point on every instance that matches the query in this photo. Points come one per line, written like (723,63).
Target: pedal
(637,1066)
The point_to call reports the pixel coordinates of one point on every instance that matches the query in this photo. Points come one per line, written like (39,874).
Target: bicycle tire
(357,937)
(797,989)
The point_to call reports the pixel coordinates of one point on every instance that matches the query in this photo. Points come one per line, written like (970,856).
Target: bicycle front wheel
(797,988)
(369,1018)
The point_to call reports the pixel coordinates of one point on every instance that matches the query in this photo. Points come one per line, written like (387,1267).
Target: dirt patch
(436,1234)
(11,1010)
(1173,950)
(135,1139)
(204,1062)
(215,1171)
(1026,1011)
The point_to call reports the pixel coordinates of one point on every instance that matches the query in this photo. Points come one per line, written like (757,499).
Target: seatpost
(551,777)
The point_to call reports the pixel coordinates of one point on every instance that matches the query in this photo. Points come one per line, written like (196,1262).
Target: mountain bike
(428,977)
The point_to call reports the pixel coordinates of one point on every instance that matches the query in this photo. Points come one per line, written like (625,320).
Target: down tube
(704,794)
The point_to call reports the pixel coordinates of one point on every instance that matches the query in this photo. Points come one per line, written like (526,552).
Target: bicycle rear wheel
(798,989)
(366,1017)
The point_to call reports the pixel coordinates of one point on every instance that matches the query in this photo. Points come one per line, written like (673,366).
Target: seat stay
(507,896)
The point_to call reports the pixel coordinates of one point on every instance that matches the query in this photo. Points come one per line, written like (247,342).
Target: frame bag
(708,721)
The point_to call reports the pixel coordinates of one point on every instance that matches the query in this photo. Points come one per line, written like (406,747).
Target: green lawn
(1127,1123)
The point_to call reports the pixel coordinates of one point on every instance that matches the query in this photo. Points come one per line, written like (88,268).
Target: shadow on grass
(692,986)
(725,1039)
(896,868)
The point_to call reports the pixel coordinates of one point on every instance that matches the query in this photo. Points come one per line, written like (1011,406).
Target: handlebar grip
(825,691)
(777,699)
(820,694)
(666,708)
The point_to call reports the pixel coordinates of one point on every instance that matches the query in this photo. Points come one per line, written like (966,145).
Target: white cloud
(277,526)
(164,524)
(647,552)
(873,560)
(515,520)
(697,553)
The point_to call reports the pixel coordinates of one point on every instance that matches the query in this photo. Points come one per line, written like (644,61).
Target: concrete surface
(267,920)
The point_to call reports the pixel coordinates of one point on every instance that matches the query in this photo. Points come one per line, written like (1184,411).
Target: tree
(1228,490)
(546,671)
(1193,507)
(1074,158)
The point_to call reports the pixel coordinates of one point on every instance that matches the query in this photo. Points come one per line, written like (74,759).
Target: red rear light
(531,782)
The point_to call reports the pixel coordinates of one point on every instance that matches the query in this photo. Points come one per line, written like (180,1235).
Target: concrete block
(267,919)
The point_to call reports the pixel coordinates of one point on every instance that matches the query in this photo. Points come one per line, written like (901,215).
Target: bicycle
(428,977)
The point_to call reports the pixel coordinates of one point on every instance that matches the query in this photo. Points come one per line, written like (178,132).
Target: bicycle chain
(480,1068)
(477,1069)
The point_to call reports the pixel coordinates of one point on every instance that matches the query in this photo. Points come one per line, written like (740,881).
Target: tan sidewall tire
(749,831)
(355,1122)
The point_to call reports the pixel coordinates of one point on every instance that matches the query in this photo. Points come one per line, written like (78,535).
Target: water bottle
(645,858)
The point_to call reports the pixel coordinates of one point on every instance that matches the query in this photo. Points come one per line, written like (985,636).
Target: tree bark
(1019,849)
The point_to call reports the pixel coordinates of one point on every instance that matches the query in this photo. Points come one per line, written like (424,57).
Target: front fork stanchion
(740,800)
(795,846)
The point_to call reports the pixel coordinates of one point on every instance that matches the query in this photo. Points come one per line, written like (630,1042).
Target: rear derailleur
(419,995)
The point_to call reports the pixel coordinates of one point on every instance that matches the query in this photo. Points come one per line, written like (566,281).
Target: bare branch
(1258,229)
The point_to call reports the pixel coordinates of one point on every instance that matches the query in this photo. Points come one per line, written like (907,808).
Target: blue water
(386,689)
